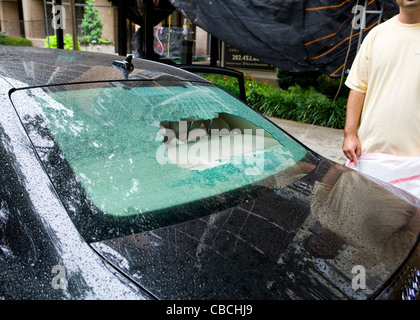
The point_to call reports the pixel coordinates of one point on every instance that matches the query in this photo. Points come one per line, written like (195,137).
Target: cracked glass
(143,148)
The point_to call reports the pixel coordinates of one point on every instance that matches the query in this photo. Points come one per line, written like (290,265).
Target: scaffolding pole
(363,22)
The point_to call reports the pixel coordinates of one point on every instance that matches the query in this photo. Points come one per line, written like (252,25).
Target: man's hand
(352,148)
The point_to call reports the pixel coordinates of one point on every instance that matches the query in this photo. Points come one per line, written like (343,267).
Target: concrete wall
(9,17)
(34,19)
(108,15)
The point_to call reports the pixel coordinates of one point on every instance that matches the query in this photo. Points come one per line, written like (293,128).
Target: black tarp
(293,35)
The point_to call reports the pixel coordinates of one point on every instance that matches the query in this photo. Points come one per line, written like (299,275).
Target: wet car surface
(112,188)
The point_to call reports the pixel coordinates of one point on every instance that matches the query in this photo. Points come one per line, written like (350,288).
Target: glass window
(143,149)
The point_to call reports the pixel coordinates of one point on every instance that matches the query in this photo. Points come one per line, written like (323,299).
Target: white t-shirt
(387,69)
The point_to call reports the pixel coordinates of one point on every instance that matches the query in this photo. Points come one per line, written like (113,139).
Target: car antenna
(125,67)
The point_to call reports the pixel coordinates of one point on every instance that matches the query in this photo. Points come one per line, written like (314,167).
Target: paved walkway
(325,141)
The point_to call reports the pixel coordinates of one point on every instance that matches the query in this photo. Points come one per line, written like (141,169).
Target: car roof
(33,66)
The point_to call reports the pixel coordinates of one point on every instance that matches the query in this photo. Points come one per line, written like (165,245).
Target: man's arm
(351,145)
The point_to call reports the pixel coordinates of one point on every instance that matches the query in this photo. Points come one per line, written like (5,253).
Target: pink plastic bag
(402,172)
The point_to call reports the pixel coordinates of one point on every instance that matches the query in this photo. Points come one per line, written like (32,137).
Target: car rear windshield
(145,148)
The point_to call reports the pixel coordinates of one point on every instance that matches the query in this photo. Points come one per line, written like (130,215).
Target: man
(382,130)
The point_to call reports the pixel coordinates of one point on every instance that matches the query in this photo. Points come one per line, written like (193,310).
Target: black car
(131,179)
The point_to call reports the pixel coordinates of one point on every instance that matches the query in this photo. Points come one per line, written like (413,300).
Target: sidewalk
(326,141)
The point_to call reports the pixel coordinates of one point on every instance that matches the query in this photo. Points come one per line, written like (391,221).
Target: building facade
(34,19)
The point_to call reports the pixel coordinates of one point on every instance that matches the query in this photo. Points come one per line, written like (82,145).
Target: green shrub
(91,24)
(87,40)
(329,86)
(104,41)
(51,42)
(306,105)
(298,104)
(306,79)
(229,84)
(14,41)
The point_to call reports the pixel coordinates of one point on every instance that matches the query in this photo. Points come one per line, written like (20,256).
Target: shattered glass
(110,134)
